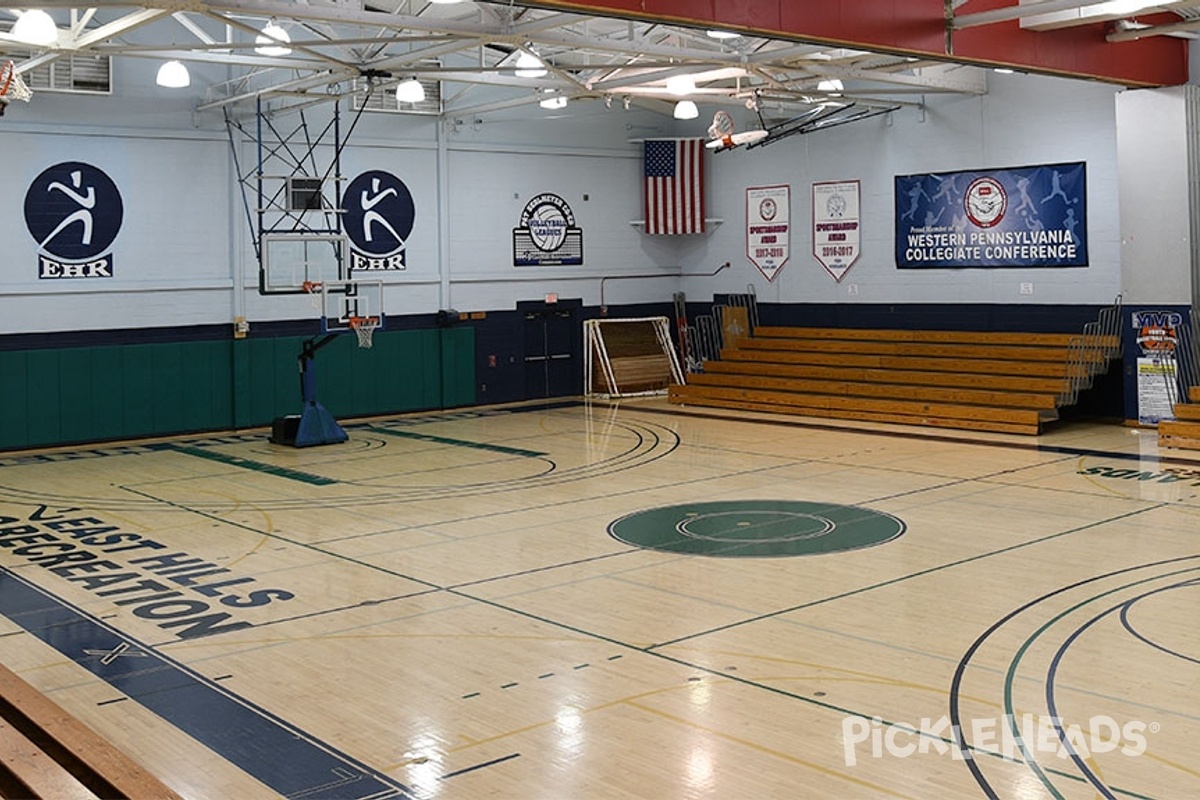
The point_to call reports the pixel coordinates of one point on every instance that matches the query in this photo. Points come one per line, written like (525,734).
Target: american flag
(674,185)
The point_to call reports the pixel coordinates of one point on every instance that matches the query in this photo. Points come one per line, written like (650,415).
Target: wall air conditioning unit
(384,99)
(79,73)
(304,193)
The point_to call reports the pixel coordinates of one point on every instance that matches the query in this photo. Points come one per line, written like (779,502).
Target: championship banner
(1020,217)
(768,209)
(836,226)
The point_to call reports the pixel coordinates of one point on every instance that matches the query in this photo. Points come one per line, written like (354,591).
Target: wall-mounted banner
(1156,335)
(379,216)
(547,235)
(836,225)
(74,212)
(1019,217)
(768,210)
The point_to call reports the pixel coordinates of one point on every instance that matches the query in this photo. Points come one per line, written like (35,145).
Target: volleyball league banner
(1018,217)
(768,229)
(836,226)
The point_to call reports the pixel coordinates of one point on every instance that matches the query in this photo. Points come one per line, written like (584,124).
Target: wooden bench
(47,753)
(1183,432)
(1004,382)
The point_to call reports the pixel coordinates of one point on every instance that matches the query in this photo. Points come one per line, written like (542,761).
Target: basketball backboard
(342,301)
(290,260)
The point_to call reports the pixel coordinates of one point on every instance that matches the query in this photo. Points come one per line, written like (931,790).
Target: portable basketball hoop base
(314,425)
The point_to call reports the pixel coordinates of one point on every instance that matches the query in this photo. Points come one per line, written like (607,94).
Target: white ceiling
(470,48)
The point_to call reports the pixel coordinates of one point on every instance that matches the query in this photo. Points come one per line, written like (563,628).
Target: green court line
(1010,675)
(650,650)
(425,437)
(257,466)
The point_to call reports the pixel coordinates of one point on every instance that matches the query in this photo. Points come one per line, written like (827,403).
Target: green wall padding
(88,394)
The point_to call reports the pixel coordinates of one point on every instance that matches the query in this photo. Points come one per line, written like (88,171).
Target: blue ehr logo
(74,212)
(379,216)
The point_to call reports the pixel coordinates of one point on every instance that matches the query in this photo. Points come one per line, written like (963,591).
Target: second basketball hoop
(352,306)
(12,87)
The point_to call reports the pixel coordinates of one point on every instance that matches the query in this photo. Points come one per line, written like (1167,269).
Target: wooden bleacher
(46,753)
(1183,431)
(988,381)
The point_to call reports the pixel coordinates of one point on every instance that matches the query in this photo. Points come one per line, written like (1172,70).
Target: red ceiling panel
(1081,50)
(918,26)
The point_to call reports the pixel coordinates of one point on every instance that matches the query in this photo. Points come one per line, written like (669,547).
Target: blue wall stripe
(276,753)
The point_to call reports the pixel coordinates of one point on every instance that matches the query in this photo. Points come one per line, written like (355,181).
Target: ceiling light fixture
(35,27)
(680,85)
(445,2)
(722,34)
(686,109)
(553,103)
(1125,6)
(409,91)
(530,66)
(173,75)
(272,41)
(831,85)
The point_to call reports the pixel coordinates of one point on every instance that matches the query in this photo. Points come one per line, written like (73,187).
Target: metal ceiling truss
(477,44)
(471,48)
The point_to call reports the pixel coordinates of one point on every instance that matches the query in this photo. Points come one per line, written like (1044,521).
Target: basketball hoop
(12,87)
(365,328)
(722,125)
(314,289)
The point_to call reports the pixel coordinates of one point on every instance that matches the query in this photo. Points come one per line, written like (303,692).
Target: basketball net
(12,87)
(314,290)
(365,328)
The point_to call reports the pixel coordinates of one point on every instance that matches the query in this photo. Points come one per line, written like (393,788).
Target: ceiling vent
(80,73)
(384,100)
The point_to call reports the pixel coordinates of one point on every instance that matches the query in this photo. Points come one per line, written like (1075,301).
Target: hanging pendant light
(173,75)
(529,66)
(35,27)
(686,109)
(409,91)
(272,41)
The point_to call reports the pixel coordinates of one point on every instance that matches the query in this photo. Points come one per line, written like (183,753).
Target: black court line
(965,661)
(491,763)
(1174,458)
(719,673)
(280,755)
(909,576)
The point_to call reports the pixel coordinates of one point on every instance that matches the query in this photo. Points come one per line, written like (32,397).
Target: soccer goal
(629,357)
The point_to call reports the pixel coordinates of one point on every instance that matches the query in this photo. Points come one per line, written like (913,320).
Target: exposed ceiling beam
(1130,34)
(1008,13)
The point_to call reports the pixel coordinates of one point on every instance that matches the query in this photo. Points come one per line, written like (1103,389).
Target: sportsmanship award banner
(836,232)
(768,228)
(1020,217)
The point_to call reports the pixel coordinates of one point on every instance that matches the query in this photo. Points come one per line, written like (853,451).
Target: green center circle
(756,528)
(753,526)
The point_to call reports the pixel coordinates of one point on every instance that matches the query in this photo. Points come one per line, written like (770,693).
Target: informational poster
(1156,335)
(836,225)
(768,210)
(1020,217)
(1155,379)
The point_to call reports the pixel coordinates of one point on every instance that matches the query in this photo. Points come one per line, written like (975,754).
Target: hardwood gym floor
(593,601)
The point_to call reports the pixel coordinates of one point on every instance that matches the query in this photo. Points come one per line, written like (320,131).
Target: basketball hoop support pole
(316,425)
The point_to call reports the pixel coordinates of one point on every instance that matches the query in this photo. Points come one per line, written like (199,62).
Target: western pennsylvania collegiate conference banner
(1019,217)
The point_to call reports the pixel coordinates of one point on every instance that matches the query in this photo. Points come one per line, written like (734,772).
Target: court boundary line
(1181,458)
